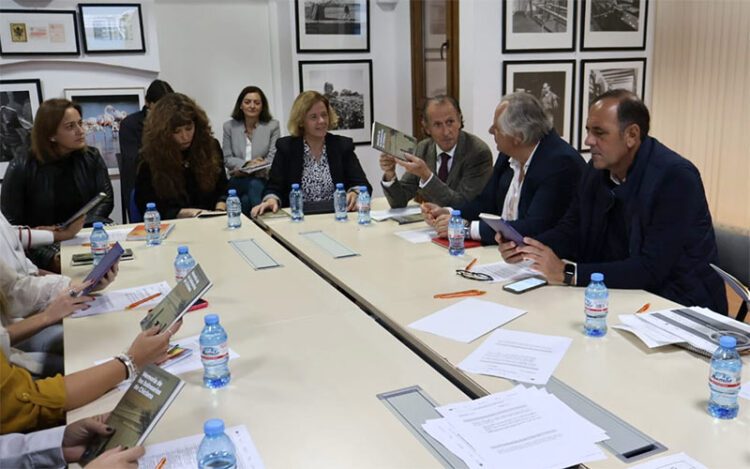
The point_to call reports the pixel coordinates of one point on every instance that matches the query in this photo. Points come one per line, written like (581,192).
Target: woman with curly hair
(181,167)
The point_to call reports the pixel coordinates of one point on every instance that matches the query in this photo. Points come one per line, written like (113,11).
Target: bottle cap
(295,186)
(456,213)
(727,341)
(597,277)
(213,427)
(182,250)
(150,206)
(363,189)
(98,225)
(339,186)
(232,192)
(211,319)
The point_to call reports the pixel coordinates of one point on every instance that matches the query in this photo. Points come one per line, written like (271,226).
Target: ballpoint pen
(142,300)
(643,308)
(471,264)
(162,463)
(460,294)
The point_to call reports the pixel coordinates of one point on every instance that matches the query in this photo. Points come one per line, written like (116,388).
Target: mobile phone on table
(524,285)
(86,258)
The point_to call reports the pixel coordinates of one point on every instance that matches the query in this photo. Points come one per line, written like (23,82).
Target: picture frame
(539,27)
(608,25)
(102,111)
(332,25)
(19,101)
(38,32)
(348,86)
(600,75)
(552,82)
(112,28)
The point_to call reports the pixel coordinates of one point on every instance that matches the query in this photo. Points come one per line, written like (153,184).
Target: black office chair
(734,257)
(127,167)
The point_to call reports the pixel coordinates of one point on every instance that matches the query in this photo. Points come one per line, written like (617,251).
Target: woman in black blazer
(312,157)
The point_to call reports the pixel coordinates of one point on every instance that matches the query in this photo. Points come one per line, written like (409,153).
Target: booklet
(255,165)
(391,141)
(98,198)
(139,232)
(178,301)
(101,269)
(503,227)
(137,413)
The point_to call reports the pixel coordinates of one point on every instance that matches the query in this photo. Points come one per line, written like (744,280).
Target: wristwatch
(570,273)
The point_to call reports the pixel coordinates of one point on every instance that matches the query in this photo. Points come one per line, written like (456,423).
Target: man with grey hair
(535,175)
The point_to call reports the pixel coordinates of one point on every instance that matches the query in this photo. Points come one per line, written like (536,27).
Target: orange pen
(643,308)
(162,463)
(142,300)
(471,264)
(459,294)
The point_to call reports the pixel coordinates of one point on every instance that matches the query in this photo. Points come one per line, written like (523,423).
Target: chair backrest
(127,167)
(734,251)
(134,214)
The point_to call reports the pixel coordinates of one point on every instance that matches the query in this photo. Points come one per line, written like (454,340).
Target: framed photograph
(551,82)
(112,27)
(332,25)
(539,25)
(598,76)
(19,101)
(614,24)
(348,86)
(38,32)
(103,110)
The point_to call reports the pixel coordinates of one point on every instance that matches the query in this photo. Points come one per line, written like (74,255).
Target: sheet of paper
(380,215)
(422,235)
(467,320)
(118,300)
(651,335)
(503,272)
(673,461)
(448,436)
(82,238)
(745,391)
(520,356)
(182,453)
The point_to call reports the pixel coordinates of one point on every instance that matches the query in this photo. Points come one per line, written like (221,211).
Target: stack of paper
(118,300)
(520,428)
(422,235)
(82,238)
(503,272)
(380,215)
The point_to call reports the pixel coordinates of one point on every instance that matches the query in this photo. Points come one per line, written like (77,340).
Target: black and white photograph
(19,101)
(599,76)
(332,25)
(112,28)
(539,25)
(614,24)
(551,82)
(38,32)
(348,86)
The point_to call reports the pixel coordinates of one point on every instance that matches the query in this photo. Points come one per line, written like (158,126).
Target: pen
(643,308)
(460,294)
(142,300)
(162,463)
(471,264)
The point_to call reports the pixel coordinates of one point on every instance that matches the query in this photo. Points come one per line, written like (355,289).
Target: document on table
(422,235)
(673,461)
(82,238)
(182,453)
(380,215)
(651,335)
(745,391)
(520,356)
(503,272)
(118,300)
(467,320)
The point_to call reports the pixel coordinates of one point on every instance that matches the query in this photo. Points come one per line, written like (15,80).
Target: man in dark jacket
(640,216)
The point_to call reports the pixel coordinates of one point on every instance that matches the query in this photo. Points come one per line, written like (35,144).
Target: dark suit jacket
(131,133)
(669,230)
(548,188)
(470,170)
(288,163)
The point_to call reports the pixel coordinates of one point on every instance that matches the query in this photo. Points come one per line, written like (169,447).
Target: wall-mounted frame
(112,28)
(614,25)
(598,76)
(38,32)
(103,110)
(332,26)
(19,101)
(551,82)
(348,86)
(539,25)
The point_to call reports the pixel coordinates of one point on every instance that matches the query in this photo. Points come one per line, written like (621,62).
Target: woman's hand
(150,346)
(62,234)
(221,206)
(118,457)
(270,203)
(65,304)
(108,278)
(351,201)
(80,433)
(189,212)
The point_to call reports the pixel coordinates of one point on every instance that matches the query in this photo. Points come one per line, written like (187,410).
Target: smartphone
(86,258)
(522,286)
(503,227)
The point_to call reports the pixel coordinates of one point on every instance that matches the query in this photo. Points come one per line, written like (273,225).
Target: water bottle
(296,203)
(99,240)
(339,202)
(216,450)
(183,263)
(363,206)
(456,233)
(724,379)
(234,210)
(596,306)
(214,353)
(152,222)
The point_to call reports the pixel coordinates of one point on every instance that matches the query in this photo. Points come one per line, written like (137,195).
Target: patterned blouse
(317,183)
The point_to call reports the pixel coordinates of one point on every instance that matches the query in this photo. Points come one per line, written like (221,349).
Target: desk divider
(328,244)
(254,254)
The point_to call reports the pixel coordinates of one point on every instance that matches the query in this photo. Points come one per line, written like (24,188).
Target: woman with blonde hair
(181,168)
(312,157)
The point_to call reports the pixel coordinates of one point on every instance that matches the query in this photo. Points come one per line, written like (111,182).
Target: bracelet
(130,367)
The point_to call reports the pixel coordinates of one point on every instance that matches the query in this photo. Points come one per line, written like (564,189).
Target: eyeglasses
(478,276)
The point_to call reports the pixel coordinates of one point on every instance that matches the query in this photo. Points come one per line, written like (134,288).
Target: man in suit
(534,179)
(640,215)
(448,168)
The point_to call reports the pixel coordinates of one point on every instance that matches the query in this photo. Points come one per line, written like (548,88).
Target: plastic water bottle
(363,206)
(152,222)
(214,353)
(183,263)
(296,204)
(234,210)
(596,305)
(339,203)
(216,450)
(99,240)
(724,379)
(456,233)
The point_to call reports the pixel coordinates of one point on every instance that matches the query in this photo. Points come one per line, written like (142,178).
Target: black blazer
(288,163)
(548,188)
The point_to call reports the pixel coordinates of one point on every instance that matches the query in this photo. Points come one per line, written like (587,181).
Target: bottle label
(596,307)
(99,248)
(211,353)
(723,381)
